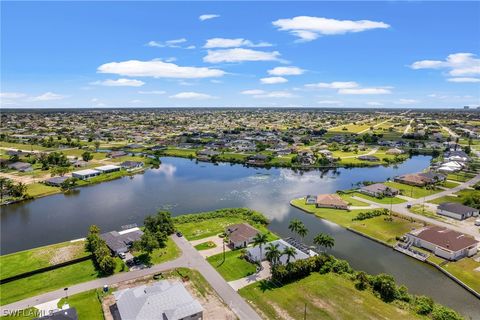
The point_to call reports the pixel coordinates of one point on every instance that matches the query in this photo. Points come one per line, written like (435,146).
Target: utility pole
(305,312)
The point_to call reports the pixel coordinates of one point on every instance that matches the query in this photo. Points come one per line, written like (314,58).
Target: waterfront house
(240,235)
(162,300)
(379,190)
(85,174)
(443,242)
(395,151)
(333,201)
(116,154)
(21,166)
(108,168)
(257,160)
(55,181)
(132,165)
(420,179)
(253,253)
(456,210)
(121,241)
(368,158)
(310,199)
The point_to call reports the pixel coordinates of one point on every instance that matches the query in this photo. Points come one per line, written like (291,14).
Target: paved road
(407,128)
(190,258)
(402,207)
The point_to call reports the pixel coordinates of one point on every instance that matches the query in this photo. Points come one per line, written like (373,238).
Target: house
(206,155)
(443,242)
(456,210)
(55,181)
(420,179)
(116,154)
(457,155)
(163,300)
(79,163)
(121,241)
(21,166)
(379,190)
(395,151)
(310,199)
(63,314)
(253,253)
(131,165)
(108,168)
(368,158)
(240,235)
(85,174)
(331,201)
(451,166)
(257,160)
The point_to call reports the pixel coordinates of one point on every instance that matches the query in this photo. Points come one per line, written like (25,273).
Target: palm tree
(294,225)
(302,231)
(290,252)
(259,240)
(273,254)
(324,240)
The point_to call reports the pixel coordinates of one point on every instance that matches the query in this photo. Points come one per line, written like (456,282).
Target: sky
(240,54)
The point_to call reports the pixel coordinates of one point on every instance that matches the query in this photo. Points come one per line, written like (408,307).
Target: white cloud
(253,92)
(204,17)
(375,104)
(275,94)
(158,69)
(329,102)
(285,71)
(12,95)
(310,28)
(239,55)
(175,43)
(464,80)
(365,91)
(48,96)
(406,101)
(119,83)
(462,65)
(152,92)
(333,85)
(192,95)
(273,80)
(232,43)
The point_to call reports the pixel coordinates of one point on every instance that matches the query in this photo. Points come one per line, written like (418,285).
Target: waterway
(185,186)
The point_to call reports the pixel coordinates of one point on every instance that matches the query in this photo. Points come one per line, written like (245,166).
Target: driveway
(263,274)
(213,251)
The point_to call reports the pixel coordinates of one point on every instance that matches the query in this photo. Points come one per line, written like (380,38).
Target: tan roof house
(331,201)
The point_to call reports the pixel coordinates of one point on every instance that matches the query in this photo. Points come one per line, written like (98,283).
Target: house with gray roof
(21,166)
(121,241)
(379,190)
(456,210)
(164,300)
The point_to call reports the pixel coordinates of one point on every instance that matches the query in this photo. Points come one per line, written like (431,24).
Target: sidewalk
(265,273)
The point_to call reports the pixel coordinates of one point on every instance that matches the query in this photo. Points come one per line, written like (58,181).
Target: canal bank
(183,186)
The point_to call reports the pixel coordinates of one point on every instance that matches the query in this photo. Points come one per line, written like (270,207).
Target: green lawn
(450,184)
(170,252)
(205,245)
(234,267)
(210,227)
(384,200)
(411,191)
(460,196)
(353,202)
(47,281)
(28,260)
(425,211)
(87,303)
(22,146)
(376,227)
(464,269)
(328,296)
(460,176)
(40,189)
(27,314)
(184,153)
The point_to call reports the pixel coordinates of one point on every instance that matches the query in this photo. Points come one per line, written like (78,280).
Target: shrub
(384,285)
(370,214)
(300,268)
(423,305)
(247,214)
(444,313)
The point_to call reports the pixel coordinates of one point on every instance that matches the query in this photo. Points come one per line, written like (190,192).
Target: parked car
(122,255)
(179,234)
(477,222)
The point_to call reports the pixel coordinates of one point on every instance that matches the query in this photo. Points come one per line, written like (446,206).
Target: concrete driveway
(263,274)
(213,251)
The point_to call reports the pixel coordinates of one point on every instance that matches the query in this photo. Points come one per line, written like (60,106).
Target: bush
(444,313)
(370,214)
(247,214)
(300,268)
(423,305)
(384,285)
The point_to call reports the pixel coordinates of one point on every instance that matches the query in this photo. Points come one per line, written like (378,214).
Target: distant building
(55,181)
(163,300)
(108,168)
(368,158)
(310,199)
(443,242)
(333,201)
(116,154)
(456,210)
(120,242)
(420,179)
(21,166)
(395,151)
(130,165)
(85,174)
(379,190)
(240,235)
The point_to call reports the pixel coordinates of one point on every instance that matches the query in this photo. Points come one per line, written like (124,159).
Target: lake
(185,186)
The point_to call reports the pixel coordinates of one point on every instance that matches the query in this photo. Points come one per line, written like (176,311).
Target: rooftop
(445,238)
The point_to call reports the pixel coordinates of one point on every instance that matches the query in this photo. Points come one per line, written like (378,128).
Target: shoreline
(445,272)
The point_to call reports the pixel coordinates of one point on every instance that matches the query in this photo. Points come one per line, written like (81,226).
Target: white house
(108,168)
(443,242)
(253,253)
(456,210)
(85,174)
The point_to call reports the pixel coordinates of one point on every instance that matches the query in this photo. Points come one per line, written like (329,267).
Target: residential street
(190,258)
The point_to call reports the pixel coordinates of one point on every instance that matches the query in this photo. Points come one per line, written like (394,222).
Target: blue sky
(240,54)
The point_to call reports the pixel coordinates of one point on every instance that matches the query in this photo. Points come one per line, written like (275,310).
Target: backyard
(233,267)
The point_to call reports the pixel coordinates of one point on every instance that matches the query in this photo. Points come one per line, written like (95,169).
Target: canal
(185,186)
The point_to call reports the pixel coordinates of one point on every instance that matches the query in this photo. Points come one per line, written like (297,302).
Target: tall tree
(324,240)
(259,240)
(273,254)
(302,231)
(290,252)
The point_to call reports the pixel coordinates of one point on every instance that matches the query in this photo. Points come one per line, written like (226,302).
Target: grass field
(328,296)
(425,211)
(353,202)
(460,176)
(22,146)
(234,267)
(464,269)
(376,227)
(205,245)
(384,200)
(458,198)
(184,153)
(87,303)
(29,260)
(170,252)
(40,190)
(411,191)
(210,227)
